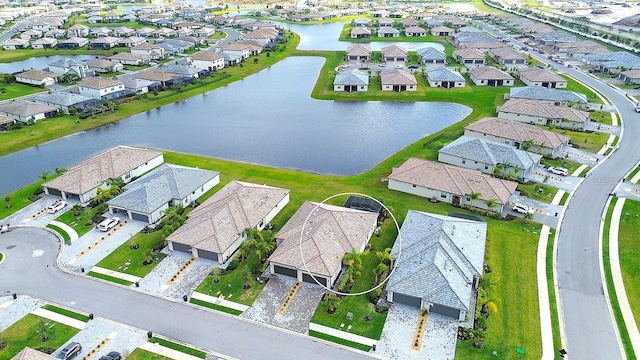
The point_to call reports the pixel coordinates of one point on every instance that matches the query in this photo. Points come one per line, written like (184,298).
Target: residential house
(490,76)
(489,157)
(544,113)
(104,43)
(15,43)
(361,22)
(100,31)
(111,17)
(145,32)
(451,184)
(140,86)
(385,22)
(579,49)
(148,50)
(360,33)
(103,65)
(464,38)
(127,58)
(30,354)
(394,53)
(330,232)
(555,96)
(37,77)
(164,78)
(207,60)
(131,41)
(78,30)
(98,87)
(507,56)
(469,56)
(123,32)
(482,45)
(444,78)
(519,135)
(351,81)
(630,76)
(164,33)
(431,57)
(415,31)
(204,32)
(235,49)
(409,23)
(175,46)
(215,229)
(73,43)
(44,43)
(82,181)
(70,66)
(262,36)
(358,52)
(438,261)
(31,34)
(613,62)
(542,77)
(27,111)
(63,100)
(147,198)
(398,80)
(441,31)
(183,70)
(55,33)
(47,23)
(388,32)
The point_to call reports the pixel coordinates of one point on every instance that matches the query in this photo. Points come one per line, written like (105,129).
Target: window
(443,194)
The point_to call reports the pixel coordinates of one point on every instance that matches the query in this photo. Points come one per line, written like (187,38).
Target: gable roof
(360,30)
(453,179)
(358,50)
(206,56)
(518,131)
(25,108)
(545,93)
(39,75)
(544,110)
(329,233)
(489,152)
(99,82)
(398,77)
(94,171)
(30,354)
(444,74)
(394,51)
(439,259)
(388,30)
(506,53)
(466,53)
(489,73)
(219,221)
(441,29)
(537,74)
(352,77)
(165,183)
(430,53)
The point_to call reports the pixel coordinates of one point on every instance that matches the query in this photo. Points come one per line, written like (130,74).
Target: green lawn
(82,223)
(555,322)
(632,174)
(338,340)
(109,278)
(63,234)
(345,35)
(118,259)
(19,199)
(591,142)
(23,333)
(16,55)
(140,354)
(179,347)
(65,312)
(601,117)
(540,192)
(215,307)
(573,85)
(629,250)
(14,90)
(570,165)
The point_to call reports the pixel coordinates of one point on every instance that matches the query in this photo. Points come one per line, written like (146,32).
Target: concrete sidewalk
(219,301)
(342,334)
(73,235)
(115,274)
(59,318)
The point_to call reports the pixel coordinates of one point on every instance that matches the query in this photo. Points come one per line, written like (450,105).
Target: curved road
(30,269)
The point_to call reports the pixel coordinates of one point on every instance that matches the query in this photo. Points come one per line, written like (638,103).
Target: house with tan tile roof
(544,113)
(519,135)
(442,31)
(398,80)
(30,354)
(469,56)
(207,60)
(358,52)
(360,32)
(507,56)
(330,232)
(450,184)
(37,77)
(394,53)
(490,76)
(630,76)
(483,46)
(82,181)
(97,87)
(542,77)
(216,228)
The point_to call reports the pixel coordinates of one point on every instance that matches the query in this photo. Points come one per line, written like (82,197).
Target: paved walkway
(219,301)
(165,351)
(115,274)
(342,334)
(63,319)
(73,235)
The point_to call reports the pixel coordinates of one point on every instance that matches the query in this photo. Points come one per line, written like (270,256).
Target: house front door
(455,200)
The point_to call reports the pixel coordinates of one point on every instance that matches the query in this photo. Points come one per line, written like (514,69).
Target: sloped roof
(518,131)
(466,53)
(30,354)
(206,56)
(398,77)
(329,233)
(444,74)
(153,75)
(394,51)
(94,171)
(99,82)
(548,94)
(437,258)
(165,183)
(61,98)
(67,62)
(101,63)
(543,110)
(489,73)
(489,152)
(537,74)
(360,30)
(39,75)
(453,179)
(506,53)
(440,29)
(25,108)
(217,222)
(353,77)
(430,53)
(358,50)
(132,82)
(388,30)
(415,29)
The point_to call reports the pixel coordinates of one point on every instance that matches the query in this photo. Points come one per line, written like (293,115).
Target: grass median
(29,331)
(67,313)
(629,250)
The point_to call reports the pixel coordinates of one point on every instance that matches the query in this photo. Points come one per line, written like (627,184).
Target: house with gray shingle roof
(450,184)
(489,157)
(62,100)
(431,56)
(361,22)
(542,77)
(82,181)
(490,76)
(147,198)
(519,135)
(547,94)
(387,31)
(69,65)
(544,113)
(351,80)
(398,80)
(445,78)
(215,229)
(27,110)
(438,263)
(330,232)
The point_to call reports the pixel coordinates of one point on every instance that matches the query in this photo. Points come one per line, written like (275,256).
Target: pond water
(38,62)
(268,118)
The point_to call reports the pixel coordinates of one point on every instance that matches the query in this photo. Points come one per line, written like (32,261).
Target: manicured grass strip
(553,306)
(23,333)
(338,340)
(118,259)
(65,312)
(613,298)
(14,90)
(18,200)
(215,306)
(62,233)
(141,354)
(1,257)
(109,278)
(629,250)
(632,174)
(179,347)
(564,198)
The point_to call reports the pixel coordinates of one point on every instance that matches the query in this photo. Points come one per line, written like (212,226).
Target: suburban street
(18,27)
(30,269)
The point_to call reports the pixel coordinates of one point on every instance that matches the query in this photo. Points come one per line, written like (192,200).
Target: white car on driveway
(56,206)
(108,224)
(558,171)
(522,209)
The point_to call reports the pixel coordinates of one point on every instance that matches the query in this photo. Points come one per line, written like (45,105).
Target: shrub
(233,264)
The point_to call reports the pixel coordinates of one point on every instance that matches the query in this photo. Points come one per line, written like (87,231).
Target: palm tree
(478,337)
(246,278)
(332,301)
(45,328)
(243,251)
(474,195)
(354,259)
(44,176)
(384,256)
(215,275)
(378,271)
(491,203)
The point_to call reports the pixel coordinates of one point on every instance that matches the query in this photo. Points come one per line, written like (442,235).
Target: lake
(268,118)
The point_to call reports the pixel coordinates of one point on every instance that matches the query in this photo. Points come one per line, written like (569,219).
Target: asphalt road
(588,324)
(30,269)
(17,27)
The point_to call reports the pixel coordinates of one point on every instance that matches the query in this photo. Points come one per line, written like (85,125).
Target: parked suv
(70,351)
(558,171)
(522,209)
(56,206)
(108,224)
(113,355)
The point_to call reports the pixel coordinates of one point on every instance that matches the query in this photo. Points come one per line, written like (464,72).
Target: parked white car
(108,224)
(558,171)
(522,209)
(638,107)
(56,206)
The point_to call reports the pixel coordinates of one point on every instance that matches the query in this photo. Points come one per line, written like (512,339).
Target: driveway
(581,156)
(629,191)
(602,128)
(544,213)
(566,183)
(35,214)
